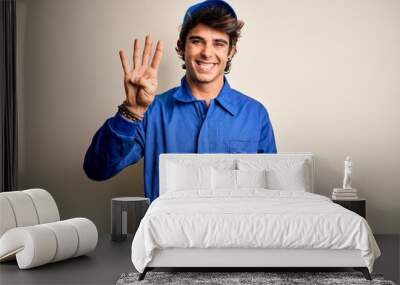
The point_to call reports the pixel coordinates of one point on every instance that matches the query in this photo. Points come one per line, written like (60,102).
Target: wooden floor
(111,259)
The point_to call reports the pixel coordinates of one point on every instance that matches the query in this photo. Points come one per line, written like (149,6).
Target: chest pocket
(242,146)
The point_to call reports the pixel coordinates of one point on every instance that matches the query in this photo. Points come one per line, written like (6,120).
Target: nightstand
(119,215)
(358,206)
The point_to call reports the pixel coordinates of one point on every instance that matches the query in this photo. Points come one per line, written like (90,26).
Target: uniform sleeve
(116,145)
(266,143)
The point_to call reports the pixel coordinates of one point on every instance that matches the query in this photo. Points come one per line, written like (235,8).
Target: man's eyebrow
(196,38)
(202,39)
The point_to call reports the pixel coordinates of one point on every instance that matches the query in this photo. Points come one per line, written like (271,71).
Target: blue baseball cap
(192,10)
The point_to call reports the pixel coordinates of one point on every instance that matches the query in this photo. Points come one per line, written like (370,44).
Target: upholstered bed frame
(250,258)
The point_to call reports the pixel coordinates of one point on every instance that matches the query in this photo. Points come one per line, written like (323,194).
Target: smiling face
(206,54)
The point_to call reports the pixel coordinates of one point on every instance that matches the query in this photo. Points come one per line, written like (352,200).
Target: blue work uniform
(177,122)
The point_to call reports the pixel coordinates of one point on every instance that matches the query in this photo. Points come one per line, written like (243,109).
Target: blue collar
(227,98)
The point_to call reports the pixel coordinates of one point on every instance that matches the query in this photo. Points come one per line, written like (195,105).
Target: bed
(246,211)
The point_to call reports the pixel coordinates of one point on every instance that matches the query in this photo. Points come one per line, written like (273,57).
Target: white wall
(328,72)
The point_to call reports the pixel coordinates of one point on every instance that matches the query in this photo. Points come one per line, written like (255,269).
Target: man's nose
(207,50)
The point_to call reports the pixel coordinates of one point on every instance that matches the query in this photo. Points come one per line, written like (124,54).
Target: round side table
(119,215)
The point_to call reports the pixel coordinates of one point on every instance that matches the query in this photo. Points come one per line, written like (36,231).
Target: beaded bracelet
(124,111)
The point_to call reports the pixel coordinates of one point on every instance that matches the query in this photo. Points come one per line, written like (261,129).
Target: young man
(202,115)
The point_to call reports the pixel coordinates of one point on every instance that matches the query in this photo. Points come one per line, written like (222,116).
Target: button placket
(203,142)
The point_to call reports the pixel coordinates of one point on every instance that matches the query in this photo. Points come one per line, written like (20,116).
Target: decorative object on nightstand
(358,205)
(347,192)
(344,194)
(119,215)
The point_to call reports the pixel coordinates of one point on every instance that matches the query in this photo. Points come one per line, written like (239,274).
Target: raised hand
(140,81)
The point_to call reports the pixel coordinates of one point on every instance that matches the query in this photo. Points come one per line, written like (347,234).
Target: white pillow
(236,179)
(223,179)
(251,178)
(203,161)
(288,178)
(182,177)
(282,174)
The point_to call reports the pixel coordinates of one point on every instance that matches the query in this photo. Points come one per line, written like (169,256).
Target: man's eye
(220,44)
(195,41)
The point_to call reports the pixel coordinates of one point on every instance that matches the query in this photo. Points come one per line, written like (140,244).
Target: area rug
(243,278)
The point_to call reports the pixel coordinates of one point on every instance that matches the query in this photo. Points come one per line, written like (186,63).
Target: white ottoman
(31,230)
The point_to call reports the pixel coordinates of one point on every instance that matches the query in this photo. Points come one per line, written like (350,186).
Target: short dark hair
(214,17)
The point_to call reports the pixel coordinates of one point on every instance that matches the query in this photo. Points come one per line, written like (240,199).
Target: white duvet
(250,218)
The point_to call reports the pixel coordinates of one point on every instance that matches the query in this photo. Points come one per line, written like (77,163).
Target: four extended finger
(146,51)
(136,47)
(124,61)
(157,55)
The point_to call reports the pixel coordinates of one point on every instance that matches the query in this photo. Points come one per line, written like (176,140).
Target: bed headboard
(213,159)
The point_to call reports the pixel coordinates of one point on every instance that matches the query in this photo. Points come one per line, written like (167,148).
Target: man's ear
(178,49)
(232,52)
